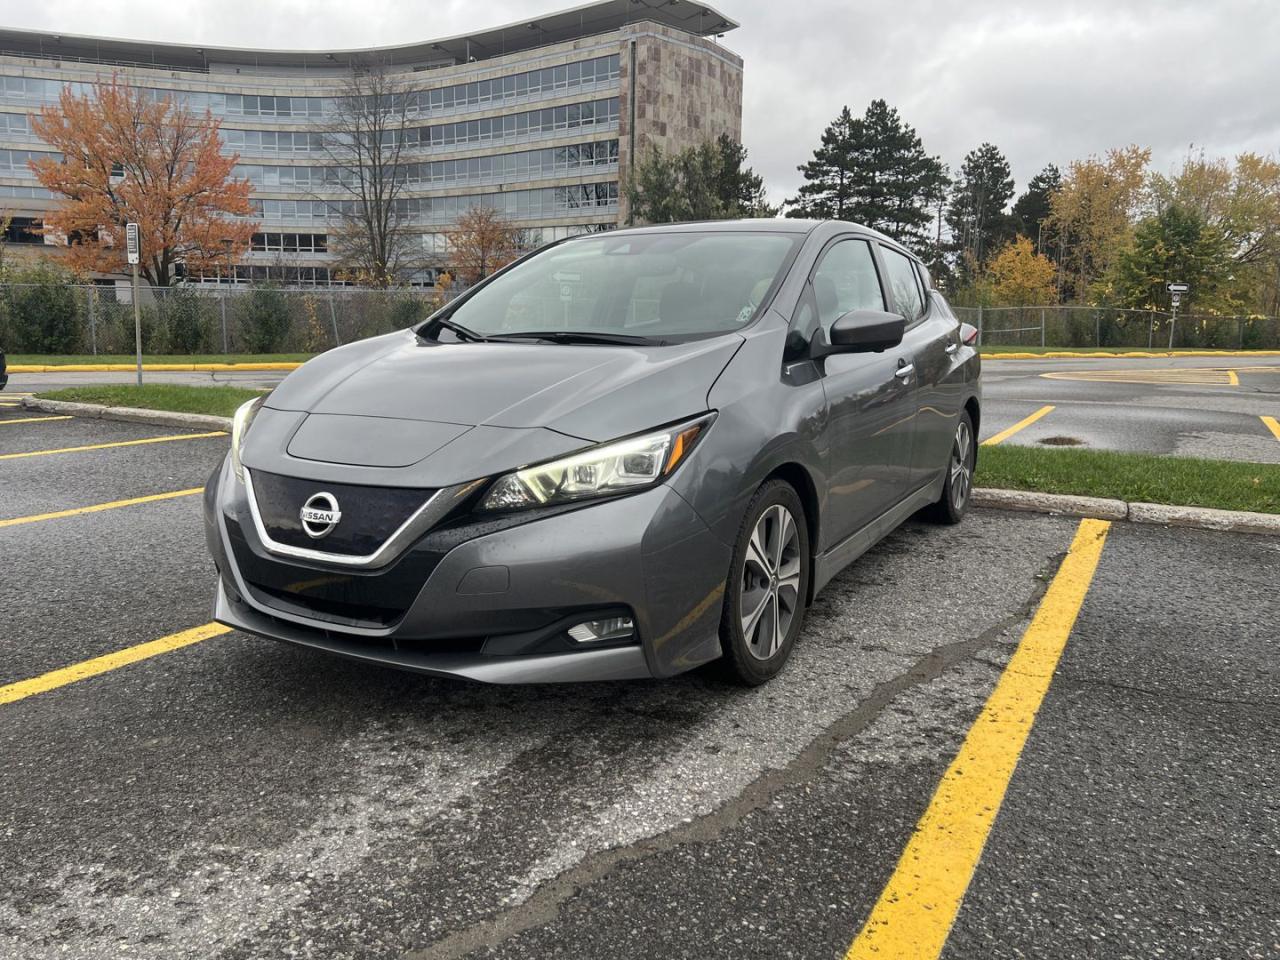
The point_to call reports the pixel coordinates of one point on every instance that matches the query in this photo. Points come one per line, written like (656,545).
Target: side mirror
(865,331)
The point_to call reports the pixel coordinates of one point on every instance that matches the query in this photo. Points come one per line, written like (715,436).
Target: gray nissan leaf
(625,455)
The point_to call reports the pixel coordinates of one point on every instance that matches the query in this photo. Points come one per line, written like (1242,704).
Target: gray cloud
(1044,81)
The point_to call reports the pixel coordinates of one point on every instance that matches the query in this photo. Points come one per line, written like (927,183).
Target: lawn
(219,401)
(1135,477)
(63,360)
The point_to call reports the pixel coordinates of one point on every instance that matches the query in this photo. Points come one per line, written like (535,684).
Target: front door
(871,401)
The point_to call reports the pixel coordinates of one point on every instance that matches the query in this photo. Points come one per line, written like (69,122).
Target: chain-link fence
(59,318)
(1068,327)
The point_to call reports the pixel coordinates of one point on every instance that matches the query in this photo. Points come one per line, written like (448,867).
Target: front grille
(369,514)
(375,598)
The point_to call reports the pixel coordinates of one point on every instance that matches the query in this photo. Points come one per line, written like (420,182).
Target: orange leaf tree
(481,242)
(129,156)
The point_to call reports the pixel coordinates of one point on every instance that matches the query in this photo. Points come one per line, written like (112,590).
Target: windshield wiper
(581,336)
(463,333)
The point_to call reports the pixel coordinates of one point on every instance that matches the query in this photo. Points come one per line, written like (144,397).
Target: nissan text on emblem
(320,514)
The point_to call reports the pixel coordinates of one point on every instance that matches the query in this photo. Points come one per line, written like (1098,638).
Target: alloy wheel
(961,466)
(770,582)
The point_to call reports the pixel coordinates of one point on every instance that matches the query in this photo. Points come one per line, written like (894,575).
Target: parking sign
(131,241)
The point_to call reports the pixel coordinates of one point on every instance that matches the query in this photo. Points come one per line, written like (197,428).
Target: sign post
(1176,290)
(131,239)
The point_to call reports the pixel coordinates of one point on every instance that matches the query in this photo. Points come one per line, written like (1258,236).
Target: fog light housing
(602,631)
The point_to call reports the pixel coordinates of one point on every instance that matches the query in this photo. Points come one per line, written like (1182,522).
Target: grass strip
(218,401)
(1135,477)
(65,360)
(989,348)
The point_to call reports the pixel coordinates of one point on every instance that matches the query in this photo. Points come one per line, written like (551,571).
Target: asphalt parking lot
(1210,407)
(238,798)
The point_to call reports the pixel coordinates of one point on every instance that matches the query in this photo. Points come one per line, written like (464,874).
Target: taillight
(968,334)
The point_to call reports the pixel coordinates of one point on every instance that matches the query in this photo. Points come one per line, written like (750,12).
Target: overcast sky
(1045,82)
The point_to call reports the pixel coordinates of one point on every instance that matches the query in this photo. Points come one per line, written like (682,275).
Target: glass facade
(502,141)
(500,168)
(544,203)
(545,82)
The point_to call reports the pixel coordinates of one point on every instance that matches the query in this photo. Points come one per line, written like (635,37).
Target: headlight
(618,467)
(239,424)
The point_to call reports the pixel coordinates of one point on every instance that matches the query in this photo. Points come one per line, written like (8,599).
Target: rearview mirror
(866,331)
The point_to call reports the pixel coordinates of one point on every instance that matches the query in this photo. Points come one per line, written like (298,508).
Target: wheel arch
(799,479)
(974,410)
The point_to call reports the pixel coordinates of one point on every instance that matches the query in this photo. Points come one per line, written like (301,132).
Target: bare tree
(372,126)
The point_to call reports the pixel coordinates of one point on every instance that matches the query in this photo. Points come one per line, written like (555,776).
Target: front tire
(957,488)
(767,588)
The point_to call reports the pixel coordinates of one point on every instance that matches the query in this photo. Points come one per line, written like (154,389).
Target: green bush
(407,311)
(43,310)
(264,319)
(186,317)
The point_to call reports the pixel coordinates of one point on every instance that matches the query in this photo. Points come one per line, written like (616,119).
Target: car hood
(413,411)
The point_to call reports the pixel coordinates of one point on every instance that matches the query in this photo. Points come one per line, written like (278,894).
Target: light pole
(1176,290)
(134,252)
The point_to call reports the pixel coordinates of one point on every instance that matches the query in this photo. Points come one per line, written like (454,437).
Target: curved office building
(538,119)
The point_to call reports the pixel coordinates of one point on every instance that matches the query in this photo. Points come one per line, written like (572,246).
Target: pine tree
(976,215)
(740,187)
(705,182)
(827,193)
(873,171)
(1032,208)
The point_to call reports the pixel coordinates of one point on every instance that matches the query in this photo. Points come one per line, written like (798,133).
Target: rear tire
(957,488)
(768,584)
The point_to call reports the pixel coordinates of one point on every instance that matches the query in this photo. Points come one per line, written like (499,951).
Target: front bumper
(491,602)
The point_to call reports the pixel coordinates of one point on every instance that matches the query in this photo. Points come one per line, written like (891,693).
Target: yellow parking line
(118,443)
(111,661)
(1021,424)
(1233,378)
(77,511)
(913,917)
(1273,425)
(32,420)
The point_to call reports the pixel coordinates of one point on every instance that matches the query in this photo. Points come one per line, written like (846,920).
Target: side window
(845,280)
(901,275)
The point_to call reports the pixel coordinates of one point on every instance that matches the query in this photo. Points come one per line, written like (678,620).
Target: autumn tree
(1241,201)
(1017,276)
(127,155)
(481,242)
(373,122)
(1091,215)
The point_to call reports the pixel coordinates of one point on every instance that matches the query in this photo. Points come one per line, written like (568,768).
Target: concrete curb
(153,367)
(1202,518)
(159,418)
(1105,355)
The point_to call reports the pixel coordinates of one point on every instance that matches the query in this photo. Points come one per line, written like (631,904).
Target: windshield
(658,286)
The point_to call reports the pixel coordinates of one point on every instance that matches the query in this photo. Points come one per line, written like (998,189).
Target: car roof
(762,224)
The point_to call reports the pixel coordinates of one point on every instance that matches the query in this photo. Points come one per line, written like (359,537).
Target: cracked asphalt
(244,799)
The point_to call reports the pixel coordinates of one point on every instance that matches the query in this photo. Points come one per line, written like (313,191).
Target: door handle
(905,371)
(952,347)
